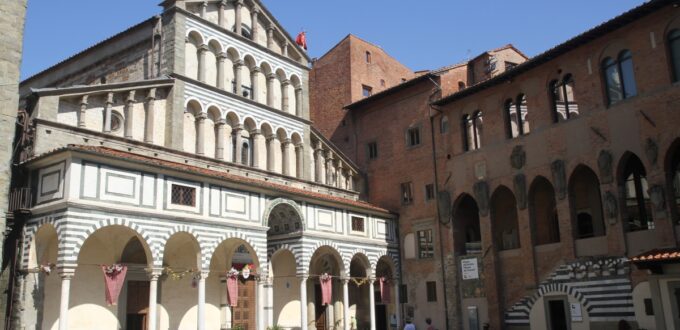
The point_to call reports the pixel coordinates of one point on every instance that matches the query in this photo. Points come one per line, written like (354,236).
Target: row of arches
(224,67)
(588,210)
(212,133)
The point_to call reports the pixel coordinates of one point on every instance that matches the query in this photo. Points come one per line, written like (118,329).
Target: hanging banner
(326,288)
(232,287)
(385,292)
(114,278)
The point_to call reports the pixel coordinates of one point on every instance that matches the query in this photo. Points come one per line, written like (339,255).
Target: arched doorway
(286,289)
(90,307)
(234,255)
(178,296)
(325,260)
(466,230)
(543,211)
(359,300)
(587,218)
(387,304)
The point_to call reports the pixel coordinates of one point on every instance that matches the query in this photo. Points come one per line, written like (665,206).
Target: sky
(425,34)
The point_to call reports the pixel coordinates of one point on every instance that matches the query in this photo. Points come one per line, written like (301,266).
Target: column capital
(300,145)
(83,100)
(255,11)
(271,28)
(256,69)
(131,96)
(221,122)
(109,98)
(203,48)
(271,76)
(255,132)
(298,89)
(151,95)
(66,271)
(285,83)
(271,137)
(222,56)
(239,63)
(205,4)
(202,116)
(201,274)
(285,142)
(238,2)
(237,129)
(223,3)
(329,156)
(154,273)
(303,277)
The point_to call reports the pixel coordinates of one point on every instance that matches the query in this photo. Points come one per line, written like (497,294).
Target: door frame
(546,307)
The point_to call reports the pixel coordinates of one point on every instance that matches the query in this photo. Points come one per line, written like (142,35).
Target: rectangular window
(649,307)
(413,136)
(366,91)
(429,192)
(403,295)
(509,65)
(406,193)
(358,224)
(183,195)
(372,150)
(431,291)
(425,244)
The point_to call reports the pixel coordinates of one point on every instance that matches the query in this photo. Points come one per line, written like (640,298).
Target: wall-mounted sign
(576,313)
(469,269)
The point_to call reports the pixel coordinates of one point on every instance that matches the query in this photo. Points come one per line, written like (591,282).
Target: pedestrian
(409,325)
(429,324)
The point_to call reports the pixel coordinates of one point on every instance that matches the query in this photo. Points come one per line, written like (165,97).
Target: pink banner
(385,292)
(232,289)
(326,289)
(114,278)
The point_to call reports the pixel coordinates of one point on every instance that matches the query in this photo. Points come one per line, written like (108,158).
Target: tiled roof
(671,254)
(146,160)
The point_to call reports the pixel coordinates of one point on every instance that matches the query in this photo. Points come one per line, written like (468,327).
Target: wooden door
(243,314)
(320,309)
(137,305)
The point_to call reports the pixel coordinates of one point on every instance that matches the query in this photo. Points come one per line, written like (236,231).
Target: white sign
(576,313)
(469,269)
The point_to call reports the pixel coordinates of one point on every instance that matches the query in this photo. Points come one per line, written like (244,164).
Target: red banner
(232,290)
(385,292)
(326,289)
(114,278)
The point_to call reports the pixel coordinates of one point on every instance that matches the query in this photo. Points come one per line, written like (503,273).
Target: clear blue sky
(421,34)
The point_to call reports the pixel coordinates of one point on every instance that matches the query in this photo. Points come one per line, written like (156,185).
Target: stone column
(201,300)
(200,133)
(261,304)
(204,10)
(149,116)
(345,304)
(253,18)
(270,38)
(273,161)
(285,103)
(255,80)
(238,145)
(238,67)
(258,144)
(82,114)
(371,301)
(397,303)
(299,159)
(285,157)
(201,62)
(221,14)
(129,104)
(220,70)
(270,301)
(284,48)
(340,183)
(320,168)
(152,320)
(66,274)
(108,108)
(271,79)
(220,138)
(303,303)
(238,5)
(350,180)
(329,169)
(228,147)
(298,102)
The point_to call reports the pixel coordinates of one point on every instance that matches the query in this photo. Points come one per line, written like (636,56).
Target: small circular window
(116,122)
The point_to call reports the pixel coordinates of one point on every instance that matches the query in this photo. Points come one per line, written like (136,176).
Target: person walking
(409,325)
(429,324)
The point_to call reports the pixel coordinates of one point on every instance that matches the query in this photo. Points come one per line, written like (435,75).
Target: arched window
(564,102)
(637,212)
(444,125)
(674,48)
(504,218)
(472,131)
(467,231)
(619,77)
(246,158)
(586,203)
(516,113)
(246,32)
(543,211)
(368,57)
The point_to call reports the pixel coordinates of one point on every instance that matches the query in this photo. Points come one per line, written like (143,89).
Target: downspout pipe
(431,99)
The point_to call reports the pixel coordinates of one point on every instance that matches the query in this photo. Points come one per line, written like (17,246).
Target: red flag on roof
(301,40)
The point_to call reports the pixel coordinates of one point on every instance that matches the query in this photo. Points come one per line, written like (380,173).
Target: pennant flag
(385,292)
(114,277)
(301,40)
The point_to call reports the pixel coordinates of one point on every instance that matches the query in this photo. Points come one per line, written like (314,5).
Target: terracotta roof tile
(671,254)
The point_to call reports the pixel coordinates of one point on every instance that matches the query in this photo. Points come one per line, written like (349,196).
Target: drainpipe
(432,97)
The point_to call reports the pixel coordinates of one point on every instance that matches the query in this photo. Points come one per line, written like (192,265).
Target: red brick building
(552,174)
